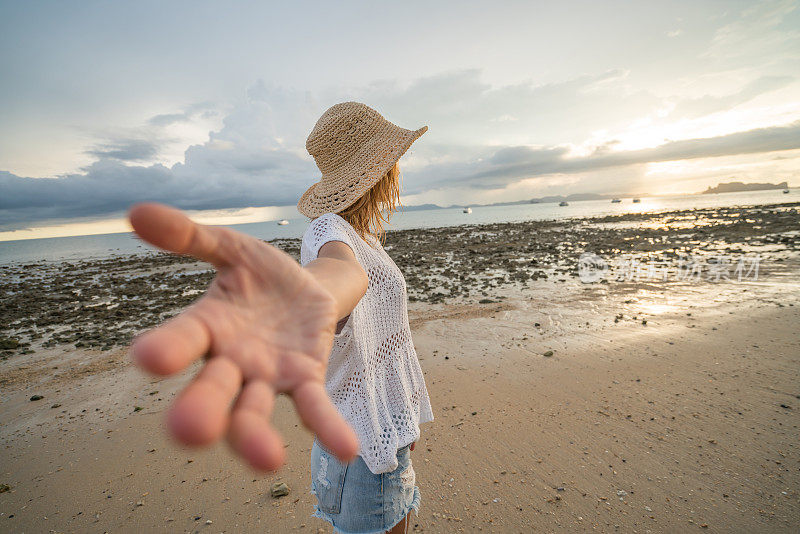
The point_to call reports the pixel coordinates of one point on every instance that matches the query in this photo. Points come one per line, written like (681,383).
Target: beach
(626,373)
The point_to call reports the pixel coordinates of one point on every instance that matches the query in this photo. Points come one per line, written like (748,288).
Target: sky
(206,105)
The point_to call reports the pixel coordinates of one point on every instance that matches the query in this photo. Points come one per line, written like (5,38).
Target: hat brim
(338,190)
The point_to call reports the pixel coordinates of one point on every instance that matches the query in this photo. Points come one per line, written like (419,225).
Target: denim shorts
(354,499)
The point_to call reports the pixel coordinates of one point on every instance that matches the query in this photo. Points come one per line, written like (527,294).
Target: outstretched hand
(265,326)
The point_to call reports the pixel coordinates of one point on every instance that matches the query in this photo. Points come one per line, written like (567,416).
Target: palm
(266,327)
(260,313)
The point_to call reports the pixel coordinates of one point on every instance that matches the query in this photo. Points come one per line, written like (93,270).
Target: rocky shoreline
(102,304)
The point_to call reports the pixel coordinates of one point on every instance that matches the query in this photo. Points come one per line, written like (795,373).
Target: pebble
(548,353)
(37,397)
(279,489)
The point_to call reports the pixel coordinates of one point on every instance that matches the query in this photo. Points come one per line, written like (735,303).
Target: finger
(173,345)
(199,415)
(321,416)
(170,229)
(250,434)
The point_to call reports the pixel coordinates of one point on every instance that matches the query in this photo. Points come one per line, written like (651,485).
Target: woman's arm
(338,271)
(265,326)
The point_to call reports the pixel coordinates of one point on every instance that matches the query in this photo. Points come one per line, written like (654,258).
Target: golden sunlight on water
(120,225)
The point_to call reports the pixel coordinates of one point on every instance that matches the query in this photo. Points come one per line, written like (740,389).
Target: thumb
(170,229)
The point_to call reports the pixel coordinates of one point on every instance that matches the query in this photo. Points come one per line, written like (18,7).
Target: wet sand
(629,405)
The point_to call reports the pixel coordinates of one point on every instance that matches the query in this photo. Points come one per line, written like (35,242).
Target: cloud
(160,139)
(237,178)
(201,110)
(764,30)
(516,155)
(460,107)
(697,107)
(510,164)
(168,118)
(256,155)
(109,187)
(137,150)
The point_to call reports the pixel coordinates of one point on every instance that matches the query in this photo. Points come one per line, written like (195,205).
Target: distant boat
(616,201)
(563,203)
(637,200)
(467,210)
(785,191)
(283,222)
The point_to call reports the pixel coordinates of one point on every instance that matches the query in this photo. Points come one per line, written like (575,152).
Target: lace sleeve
(328,227)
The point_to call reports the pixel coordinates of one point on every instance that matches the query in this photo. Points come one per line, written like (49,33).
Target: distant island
(576,197)
(729,187)
(732,187)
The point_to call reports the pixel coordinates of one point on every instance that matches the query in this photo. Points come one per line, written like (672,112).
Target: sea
(76,248)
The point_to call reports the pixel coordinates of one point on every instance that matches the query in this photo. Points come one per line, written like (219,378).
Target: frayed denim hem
(415,505)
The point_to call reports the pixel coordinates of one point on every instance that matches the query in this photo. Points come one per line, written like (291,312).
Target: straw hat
(354,147)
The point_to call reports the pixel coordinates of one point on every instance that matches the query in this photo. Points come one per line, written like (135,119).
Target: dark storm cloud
(109,187)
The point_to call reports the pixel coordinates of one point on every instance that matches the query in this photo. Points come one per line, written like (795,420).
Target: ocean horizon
(83,247)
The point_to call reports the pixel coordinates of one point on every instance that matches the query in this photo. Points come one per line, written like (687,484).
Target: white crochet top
(374,378)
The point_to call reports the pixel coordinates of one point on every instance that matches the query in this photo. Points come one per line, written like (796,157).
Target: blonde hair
(366,215)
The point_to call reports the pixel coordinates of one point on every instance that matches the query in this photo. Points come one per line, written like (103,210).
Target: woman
(267,325)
